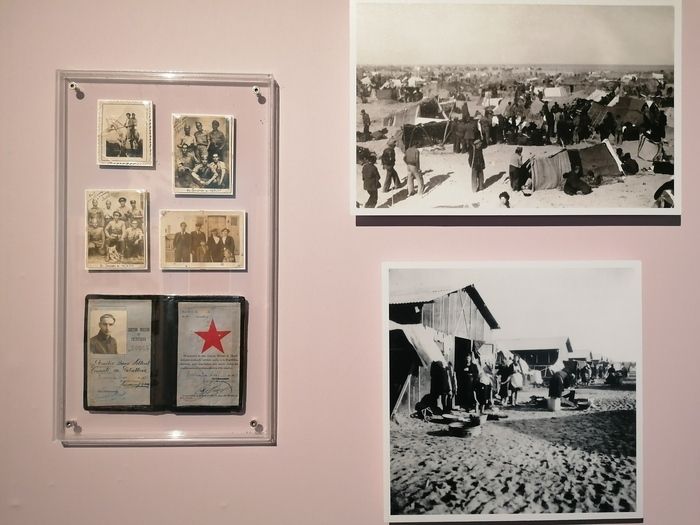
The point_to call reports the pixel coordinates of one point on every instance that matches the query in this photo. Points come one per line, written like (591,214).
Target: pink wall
(327,467)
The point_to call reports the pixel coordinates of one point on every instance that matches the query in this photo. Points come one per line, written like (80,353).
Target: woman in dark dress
(467,381)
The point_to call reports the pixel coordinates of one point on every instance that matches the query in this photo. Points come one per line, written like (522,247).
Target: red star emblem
(213,337)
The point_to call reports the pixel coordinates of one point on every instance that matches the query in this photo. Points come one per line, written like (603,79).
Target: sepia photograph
(125,133)
(202,240)
(512,391)
(116,230)
(515,107)
(117,353)
(203,154)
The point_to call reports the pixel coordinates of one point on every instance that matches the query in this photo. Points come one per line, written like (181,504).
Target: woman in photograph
(467,381)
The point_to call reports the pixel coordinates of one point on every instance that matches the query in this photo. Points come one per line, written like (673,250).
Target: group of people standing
(199,248)
(475,386)
(371,178)
(115,233)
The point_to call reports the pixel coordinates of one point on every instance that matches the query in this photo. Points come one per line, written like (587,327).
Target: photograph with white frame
(512,391)
(203,154)
(116,229)
(125,133)
(515,107)
(202,240)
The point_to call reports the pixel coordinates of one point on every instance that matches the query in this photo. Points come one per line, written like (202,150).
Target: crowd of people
(474,385)
(115,233)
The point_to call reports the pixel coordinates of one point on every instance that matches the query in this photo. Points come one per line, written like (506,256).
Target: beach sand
(535,461)
(447,177)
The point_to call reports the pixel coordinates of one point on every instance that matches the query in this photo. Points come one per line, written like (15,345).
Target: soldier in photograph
(133,241)
(135,212)
(217,141)
(187,148)
(96,236)
(124,210)
(201,140)
(218,172)
(95,213)
(103,342)
(114,234)
(107,212)
(182,244)
(131,133)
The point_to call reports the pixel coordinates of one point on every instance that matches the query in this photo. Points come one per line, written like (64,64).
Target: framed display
(116,235)
(203,154)
(124,133)
(480,121)
(131,365)
(155,356)
(512,391)
(202,240)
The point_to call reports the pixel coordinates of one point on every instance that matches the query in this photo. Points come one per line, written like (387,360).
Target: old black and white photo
(515,107)
(125,133)
(512,391)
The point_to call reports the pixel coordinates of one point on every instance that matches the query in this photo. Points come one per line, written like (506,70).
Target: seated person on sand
(575,185)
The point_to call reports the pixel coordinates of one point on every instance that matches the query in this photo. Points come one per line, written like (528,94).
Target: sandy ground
(535,461)
(447,177)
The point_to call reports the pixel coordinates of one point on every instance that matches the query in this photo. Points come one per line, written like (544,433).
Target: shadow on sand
(609,432)
(402,194)
(493,178)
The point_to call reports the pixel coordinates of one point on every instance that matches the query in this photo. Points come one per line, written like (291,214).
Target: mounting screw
(253,423)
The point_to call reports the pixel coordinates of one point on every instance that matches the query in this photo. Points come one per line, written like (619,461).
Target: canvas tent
(601,159)
(503,105)
(421,341)
(428,110)
(547,172)
(647,149)
(555,93)
(597,95)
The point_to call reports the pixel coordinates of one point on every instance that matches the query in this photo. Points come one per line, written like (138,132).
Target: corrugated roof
(429,296)
(561,343)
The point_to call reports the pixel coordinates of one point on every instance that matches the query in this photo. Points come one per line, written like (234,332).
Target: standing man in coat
(182,244)
(370,180)
(478,165)
(471,134)
(412,159)
(388,163)
(366,121)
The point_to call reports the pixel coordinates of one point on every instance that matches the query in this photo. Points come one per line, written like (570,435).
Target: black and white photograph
(202,240)
(203,154)
(125,133)
(116,230)
(515,107)
(512,391)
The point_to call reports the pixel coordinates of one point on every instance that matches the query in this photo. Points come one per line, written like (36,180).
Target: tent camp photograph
(515,108)
(512,389)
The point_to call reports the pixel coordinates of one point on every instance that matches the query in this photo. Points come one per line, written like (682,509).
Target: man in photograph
(135,213)
(229,246)
(218,172)
(187,148)
(197,238)
(388,163)
(131,133)
(96,237)
(124,210)
(114,234)
(107,212)
(217,141)
(216,247)
(133,241)
(96,214)
(201,140)
(103,342)
(182,245)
